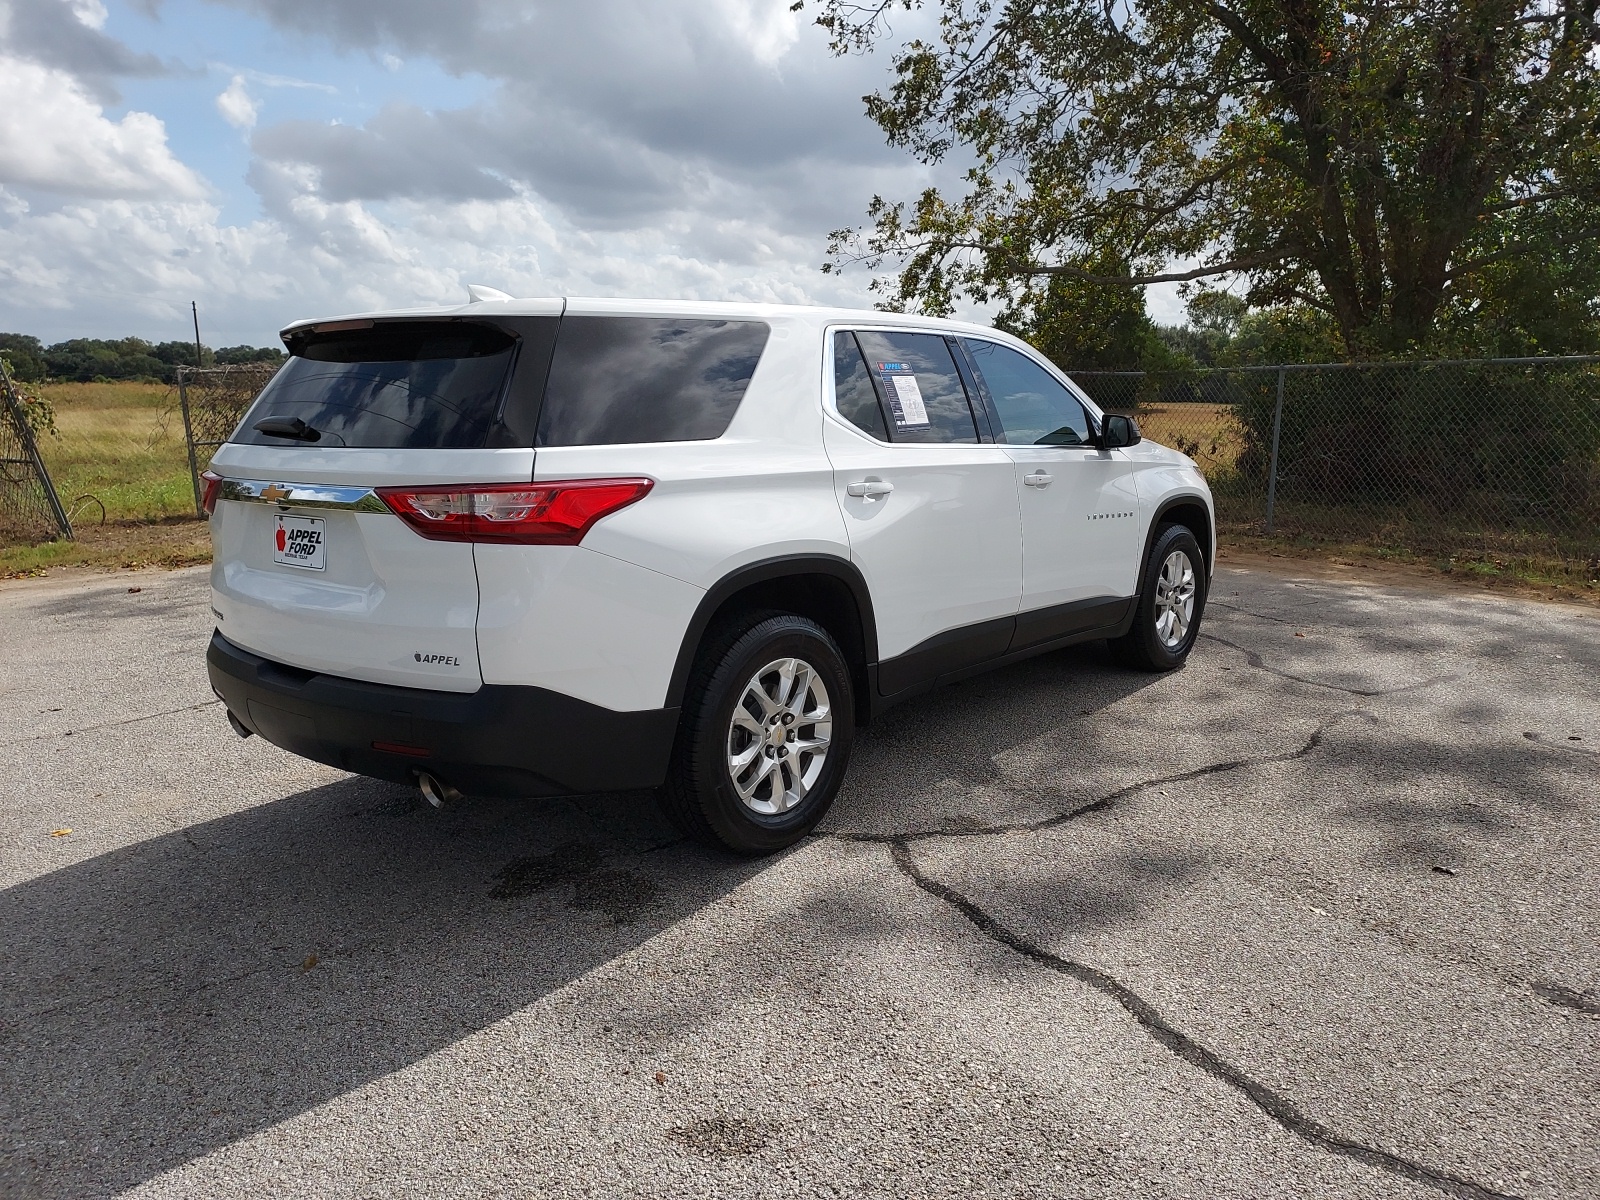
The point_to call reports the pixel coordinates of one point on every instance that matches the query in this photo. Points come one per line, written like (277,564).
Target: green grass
(121,443)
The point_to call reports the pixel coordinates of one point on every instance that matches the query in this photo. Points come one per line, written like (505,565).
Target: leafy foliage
(39,413)
(1407,171)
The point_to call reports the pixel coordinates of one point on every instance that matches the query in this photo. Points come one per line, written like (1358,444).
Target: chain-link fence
(213,401)
(1488,459)
(30,510)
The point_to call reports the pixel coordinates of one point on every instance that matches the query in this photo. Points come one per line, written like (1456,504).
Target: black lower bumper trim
(497,741)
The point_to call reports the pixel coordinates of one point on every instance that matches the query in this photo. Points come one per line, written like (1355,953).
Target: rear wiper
(287,427)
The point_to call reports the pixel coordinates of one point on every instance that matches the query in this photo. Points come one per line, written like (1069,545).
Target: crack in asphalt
(1565,997)
(1280,1108)
(1213,602)
(1312,744)
(171,712)
(1255,660)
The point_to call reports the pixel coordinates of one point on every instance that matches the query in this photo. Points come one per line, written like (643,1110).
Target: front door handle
(870,488)
(1039,479)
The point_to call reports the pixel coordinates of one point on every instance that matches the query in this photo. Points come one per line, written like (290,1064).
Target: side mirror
(1117,431)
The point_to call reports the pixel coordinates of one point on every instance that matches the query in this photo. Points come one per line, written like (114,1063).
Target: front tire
(768,723)
(1172,597)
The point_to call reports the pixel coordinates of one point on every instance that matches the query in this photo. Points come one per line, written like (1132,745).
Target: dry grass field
(120,446)
(1208,433)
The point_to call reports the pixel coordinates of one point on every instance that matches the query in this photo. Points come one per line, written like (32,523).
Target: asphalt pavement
(1315,916)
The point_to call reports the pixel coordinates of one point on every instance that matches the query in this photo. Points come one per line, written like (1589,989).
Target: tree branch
(1243,263)
(1539,198)
(1517,250)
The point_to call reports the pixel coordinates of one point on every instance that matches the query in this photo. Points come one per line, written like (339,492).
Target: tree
(235,355)
(1379,162)
(1080,325)
(24,354)
(88,359)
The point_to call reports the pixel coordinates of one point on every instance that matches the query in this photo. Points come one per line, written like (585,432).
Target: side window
(919,386)
(1035,409)
(647,379)
(852,388)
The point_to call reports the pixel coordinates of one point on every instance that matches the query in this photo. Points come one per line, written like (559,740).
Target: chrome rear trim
(302,495)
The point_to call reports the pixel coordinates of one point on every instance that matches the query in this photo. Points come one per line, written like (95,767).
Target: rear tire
(768,723)
(1172,597)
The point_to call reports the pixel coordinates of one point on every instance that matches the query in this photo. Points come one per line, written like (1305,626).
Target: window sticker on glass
(905,397)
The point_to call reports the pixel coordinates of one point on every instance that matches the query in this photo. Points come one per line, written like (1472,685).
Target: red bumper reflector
(557,513)
(398,748)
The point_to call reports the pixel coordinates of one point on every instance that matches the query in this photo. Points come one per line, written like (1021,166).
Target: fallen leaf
(1299,635)
(131,591)
(59,832)
(1438,870)
(661,1076)
(311,961)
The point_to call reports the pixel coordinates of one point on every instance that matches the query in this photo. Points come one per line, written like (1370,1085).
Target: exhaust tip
(239,726)
(435,791)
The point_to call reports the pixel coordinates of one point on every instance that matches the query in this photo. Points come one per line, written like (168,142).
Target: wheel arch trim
(765,571)
(1206,537)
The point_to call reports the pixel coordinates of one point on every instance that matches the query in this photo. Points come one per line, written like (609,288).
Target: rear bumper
(497,741)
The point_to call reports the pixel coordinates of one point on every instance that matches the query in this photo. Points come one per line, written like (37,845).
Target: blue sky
(277,159)
(290,74)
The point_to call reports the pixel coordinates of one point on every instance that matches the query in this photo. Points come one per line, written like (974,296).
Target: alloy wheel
(1175,592)
(778,736)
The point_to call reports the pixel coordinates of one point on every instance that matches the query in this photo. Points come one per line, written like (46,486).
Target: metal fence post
(188,440)
(1272,467)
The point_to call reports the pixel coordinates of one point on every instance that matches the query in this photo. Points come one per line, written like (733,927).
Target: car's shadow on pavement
(168,998)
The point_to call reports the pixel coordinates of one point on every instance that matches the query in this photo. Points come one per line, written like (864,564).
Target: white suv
(539,547)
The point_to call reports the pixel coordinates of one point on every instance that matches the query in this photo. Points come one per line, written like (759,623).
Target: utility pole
(194,309)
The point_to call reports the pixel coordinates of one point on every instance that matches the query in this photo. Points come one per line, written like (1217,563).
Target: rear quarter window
(615,380)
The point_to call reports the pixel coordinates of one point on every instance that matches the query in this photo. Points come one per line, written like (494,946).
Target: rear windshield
(401,385)
(647,379)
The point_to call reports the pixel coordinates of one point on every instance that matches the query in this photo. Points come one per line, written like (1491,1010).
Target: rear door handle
(1039,479)
(870,488)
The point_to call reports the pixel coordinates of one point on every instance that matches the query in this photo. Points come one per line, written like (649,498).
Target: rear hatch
(312,568)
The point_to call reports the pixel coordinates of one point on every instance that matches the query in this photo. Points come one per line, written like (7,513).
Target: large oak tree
(1376,160)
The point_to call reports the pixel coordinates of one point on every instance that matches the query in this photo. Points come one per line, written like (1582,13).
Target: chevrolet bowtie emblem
(276,492)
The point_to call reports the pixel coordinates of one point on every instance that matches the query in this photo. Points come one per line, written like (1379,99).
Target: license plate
(299,542)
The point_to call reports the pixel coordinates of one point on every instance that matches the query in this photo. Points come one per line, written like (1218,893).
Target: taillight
(210,488)
(531,514)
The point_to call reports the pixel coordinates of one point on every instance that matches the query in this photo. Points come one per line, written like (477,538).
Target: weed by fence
(1482,460)
(30,510)
(213,401)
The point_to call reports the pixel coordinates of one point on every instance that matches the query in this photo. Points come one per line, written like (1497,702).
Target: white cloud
(116,266)
(237,106)
(677,148)
(90,13)
(271,80)
(767,29)
(53,136)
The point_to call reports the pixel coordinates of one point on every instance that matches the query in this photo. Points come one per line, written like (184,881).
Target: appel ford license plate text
(300,543)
